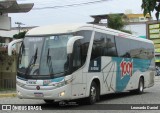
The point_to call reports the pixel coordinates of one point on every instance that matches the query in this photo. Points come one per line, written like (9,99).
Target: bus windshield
(43,57)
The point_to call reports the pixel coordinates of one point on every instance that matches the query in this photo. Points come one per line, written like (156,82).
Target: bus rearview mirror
(71,42)
(11,44)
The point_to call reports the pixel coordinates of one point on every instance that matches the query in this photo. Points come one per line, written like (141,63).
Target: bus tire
(93,93)
(140,86)
(49,101)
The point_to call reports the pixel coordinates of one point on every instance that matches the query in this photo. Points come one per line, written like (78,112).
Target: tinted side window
(134,49)
(123,47)
(77,55)
(141,50)
(110,46)
(103,45)
(84,43)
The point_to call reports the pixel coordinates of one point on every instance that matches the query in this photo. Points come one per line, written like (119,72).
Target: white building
(10,6)
(137,24)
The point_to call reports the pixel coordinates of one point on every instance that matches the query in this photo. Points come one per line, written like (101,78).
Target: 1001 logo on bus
(126,68)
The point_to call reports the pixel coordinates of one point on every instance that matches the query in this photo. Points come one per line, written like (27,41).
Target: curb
(8,95)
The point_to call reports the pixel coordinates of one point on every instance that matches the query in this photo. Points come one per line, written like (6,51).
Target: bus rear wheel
(140,86)
(93,93)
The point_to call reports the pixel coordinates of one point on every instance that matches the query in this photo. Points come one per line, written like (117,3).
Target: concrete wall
(7,71)
(5,22)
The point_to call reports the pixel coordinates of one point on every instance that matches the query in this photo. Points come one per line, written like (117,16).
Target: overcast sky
(77,14)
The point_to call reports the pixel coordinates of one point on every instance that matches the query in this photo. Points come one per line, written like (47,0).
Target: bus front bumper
(61,93)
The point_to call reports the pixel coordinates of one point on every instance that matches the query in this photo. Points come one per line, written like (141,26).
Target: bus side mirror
(71,43)
(11,44)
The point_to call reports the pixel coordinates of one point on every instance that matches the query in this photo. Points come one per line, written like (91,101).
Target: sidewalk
(7,94)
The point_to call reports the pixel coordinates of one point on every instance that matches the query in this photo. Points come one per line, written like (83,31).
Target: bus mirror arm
(71,43)
(11,44)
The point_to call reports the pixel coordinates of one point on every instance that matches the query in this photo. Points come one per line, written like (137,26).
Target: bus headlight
(20,84)
(68,81)
(60,84)
(65,82)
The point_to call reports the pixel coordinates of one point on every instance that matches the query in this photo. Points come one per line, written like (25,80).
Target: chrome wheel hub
(93,93)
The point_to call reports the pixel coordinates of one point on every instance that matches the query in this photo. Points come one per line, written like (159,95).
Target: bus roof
(69,28)
(55,29)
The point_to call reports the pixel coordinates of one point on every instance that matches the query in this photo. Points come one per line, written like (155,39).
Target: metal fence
(7,84)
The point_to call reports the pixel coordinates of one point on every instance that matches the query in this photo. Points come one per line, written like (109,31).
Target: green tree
(149,6)
(19,35)
(116,22)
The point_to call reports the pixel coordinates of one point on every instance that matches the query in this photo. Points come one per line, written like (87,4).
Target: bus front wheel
(93,93)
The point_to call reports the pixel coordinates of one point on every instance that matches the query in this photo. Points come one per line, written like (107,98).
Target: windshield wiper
(35,56)
(49,63)
(20,55)
(32,61)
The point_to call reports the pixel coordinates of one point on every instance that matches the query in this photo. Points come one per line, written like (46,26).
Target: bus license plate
(39,94)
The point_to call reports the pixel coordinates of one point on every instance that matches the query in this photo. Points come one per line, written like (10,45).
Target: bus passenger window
(103,45)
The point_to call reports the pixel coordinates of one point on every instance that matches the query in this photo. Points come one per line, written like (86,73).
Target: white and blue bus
(67,62)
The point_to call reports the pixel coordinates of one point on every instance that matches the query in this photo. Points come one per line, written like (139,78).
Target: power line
(71,5)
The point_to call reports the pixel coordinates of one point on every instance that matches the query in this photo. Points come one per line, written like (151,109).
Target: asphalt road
(150,96)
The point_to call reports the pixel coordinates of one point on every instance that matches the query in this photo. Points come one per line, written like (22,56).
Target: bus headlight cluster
(65,82)
(20,84)
(59,84)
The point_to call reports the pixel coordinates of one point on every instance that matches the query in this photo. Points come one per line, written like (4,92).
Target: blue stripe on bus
(45,82)
(58,79)
(50,81)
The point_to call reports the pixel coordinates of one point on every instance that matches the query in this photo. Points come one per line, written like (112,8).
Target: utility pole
(19,25)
